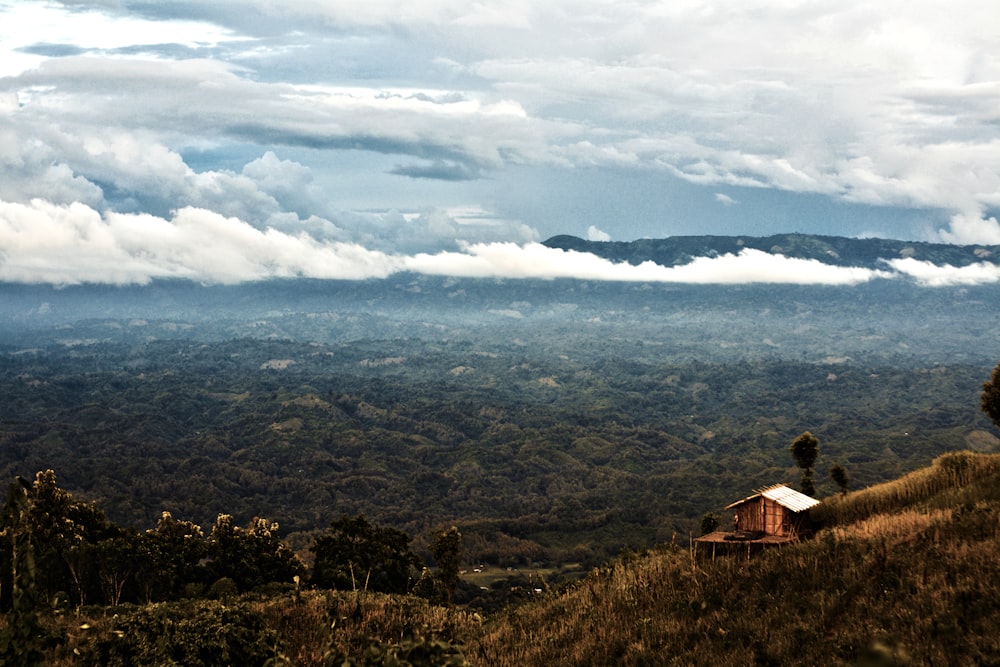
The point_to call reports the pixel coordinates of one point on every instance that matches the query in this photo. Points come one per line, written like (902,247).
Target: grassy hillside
(906,572)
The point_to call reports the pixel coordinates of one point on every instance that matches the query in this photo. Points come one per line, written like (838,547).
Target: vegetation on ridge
(905,572)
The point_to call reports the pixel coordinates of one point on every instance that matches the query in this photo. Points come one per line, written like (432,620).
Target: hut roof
(784,496)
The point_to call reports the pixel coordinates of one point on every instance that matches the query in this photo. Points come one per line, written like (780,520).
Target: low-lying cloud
(43,242)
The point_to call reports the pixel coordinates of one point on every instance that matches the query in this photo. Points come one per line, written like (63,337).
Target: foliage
(417,651)
(906,569)
(21,637)
(839,475)
(990,398)
(805,449)
(556,421)
(170,558)
(63,533)
(709,523)
(625,452)
(194,633)
(252,556)
(446,546)
(83,552)
(355,554)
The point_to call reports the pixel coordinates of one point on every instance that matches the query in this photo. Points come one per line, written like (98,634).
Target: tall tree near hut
(839,475)
(805,449)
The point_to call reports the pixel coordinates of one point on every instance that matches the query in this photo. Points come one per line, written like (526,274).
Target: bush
(191,634)
(417,651)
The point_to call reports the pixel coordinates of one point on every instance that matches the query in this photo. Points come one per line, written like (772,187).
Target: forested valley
(557,425)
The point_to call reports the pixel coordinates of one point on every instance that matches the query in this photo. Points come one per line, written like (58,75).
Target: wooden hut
(774,515)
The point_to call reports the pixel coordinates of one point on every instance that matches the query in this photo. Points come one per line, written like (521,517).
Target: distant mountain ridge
(833,250)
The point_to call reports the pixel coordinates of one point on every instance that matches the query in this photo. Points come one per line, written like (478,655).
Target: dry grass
(916,580)
(899,527)
(317,622)
(952,471)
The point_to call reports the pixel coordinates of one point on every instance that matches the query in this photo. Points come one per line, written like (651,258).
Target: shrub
(193,634)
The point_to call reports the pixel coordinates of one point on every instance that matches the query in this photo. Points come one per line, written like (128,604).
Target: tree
(170,557)
(63,532)
(354,553)
(116,559)
(805,449)
(709,522)
(21,636)
(446,545)
(252,556)
(839,475)
(990,399)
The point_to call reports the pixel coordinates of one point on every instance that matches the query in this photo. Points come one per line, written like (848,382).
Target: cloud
(595,234)
(931,275)
(435,229)
(41,242)
(47,243)
(891,105)
(444,170)
(90,28)
(537,261)
(971,229)
(204,100)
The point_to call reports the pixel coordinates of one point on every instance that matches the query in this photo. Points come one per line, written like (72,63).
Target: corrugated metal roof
(784,496)
(790,498)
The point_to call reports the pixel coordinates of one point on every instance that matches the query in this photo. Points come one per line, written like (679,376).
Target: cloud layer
(70,244)
(341,139)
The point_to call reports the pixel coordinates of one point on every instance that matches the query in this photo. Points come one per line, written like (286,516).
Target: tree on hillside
(354,553)
(990,400)
(446,546)
(250,556)
(21,635)
(839,475)
(805,449)
(170,558)
(64,532)
(447,550)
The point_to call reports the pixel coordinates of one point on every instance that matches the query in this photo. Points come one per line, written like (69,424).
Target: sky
(227,141)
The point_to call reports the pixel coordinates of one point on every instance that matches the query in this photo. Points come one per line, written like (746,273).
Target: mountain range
(834,250)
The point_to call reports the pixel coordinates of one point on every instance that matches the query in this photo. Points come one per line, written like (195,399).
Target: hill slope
(907,571)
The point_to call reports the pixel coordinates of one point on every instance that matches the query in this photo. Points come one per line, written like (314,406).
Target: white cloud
(46,243)
(931,275)
(538,261)
(892,104)
(595,234)
(24,24)
(972,229)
